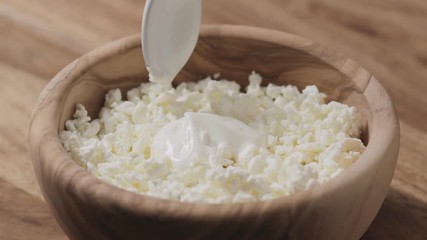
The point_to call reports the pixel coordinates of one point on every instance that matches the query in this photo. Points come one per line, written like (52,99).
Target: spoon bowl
(169,34)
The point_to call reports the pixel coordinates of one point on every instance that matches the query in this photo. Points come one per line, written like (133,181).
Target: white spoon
(170,29)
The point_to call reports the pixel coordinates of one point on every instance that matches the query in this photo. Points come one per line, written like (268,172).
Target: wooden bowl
(343,208)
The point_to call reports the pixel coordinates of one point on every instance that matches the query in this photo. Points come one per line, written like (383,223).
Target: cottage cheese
(288,140)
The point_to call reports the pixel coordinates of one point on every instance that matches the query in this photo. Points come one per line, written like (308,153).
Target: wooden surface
(38,38)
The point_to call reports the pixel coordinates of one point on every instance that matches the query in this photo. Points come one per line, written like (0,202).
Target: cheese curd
(288,140)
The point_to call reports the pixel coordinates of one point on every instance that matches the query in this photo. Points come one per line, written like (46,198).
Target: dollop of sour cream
(195,136)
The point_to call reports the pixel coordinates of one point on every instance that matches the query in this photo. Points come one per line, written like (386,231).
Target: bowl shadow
(400,217)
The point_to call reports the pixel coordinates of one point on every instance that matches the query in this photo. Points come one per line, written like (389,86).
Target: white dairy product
(195,136)
(210,142)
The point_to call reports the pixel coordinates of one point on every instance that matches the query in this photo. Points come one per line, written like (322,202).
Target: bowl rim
(96,190)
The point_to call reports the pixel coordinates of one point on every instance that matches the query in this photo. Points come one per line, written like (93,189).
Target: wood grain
(31,220)
(16,165)
(342,208)
(38,38)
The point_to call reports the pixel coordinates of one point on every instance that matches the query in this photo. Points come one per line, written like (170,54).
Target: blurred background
(38,38)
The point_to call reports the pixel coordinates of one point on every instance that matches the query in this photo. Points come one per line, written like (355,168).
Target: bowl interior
(234,58)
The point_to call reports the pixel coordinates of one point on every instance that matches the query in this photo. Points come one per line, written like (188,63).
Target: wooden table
(37,38)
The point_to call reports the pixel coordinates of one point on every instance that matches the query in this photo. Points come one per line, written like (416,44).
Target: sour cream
(196,136)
